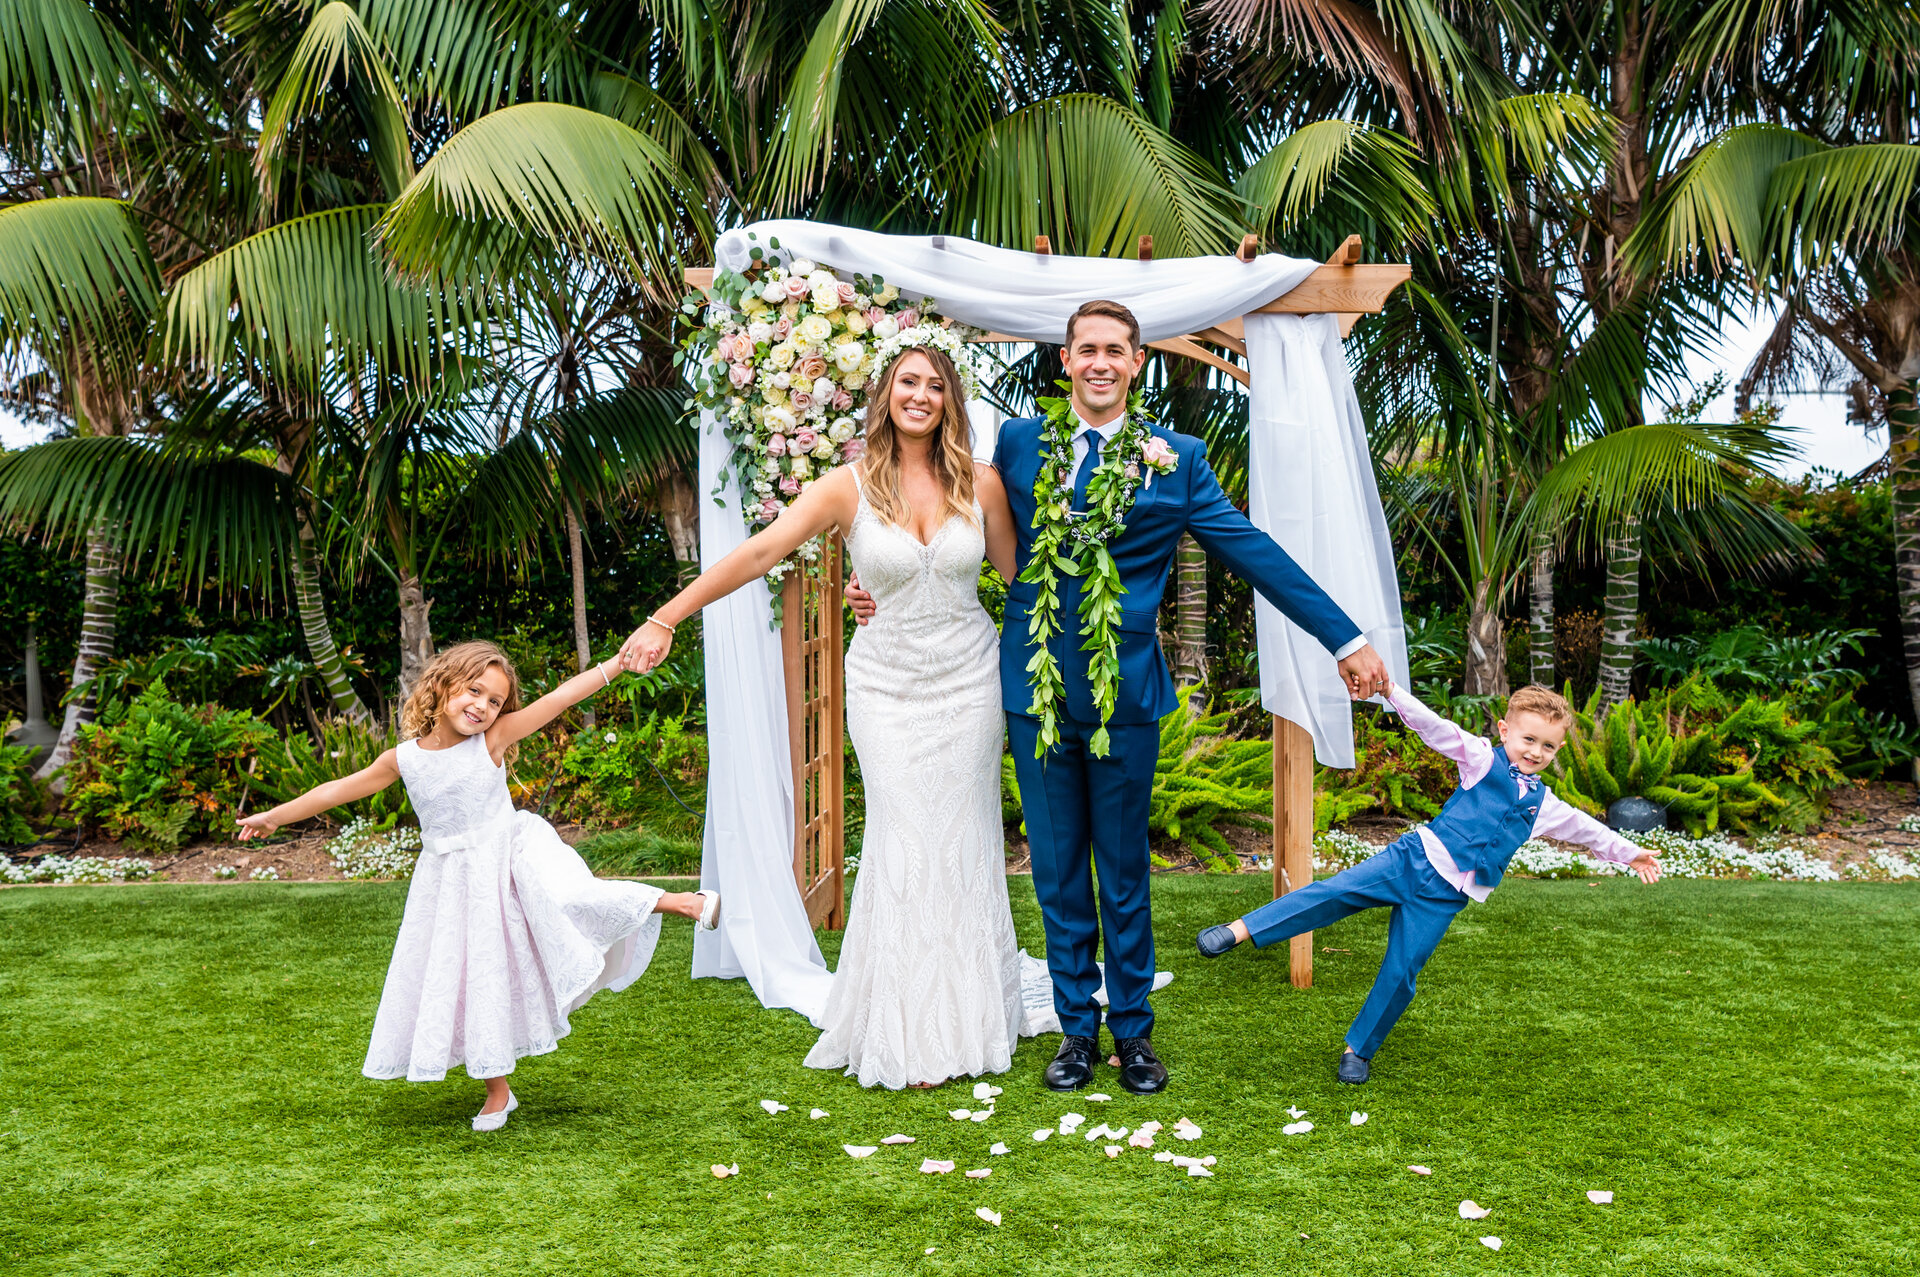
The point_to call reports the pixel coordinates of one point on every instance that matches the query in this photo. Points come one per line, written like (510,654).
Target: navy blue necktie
(1087,467)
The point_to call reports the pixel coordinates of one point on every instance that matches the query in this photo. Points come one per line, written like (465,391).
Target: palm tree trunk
(1540,609)
(99,615)
(1621,620)
(680,511)
(1190,616)
(1903,438)
(416,633)
(1486,672)
(312,606)
(582,645)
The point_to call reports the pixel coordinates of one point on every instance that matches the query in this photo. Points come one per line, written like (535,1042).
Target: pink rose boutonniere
(1157,455)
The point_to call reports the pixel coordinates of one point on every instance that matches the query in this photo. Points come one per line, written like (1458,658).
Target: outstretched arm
(1561,819)
(1472,754)
(830,502)
(1259,560)
(369,780)
(529,719)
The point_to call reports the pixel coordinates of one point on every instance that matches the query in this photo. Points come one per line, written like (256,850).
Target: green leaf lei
(1066,543)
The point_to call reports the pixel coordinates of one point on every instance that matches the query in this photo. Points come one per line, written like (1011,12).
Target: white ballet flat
(709,912)
(494,1121)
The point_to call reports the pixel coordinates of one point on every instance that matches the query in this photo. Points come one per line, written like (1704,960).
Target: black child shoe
(1352,1068)
(1140,1069)
(1215,941)
(1072,1065)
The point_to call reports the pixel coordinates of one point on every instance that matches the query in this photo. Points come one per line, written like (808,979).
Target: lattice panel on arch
(812,635)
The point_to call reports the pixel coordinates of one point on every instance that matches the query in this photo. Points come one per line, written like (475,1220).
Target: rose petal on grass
(1184,1129)
(1491,1243)
(981,1115)
(982,1173)
(1296,1128)
(898,1139)
(1357,1119)
(1042,1133)
(1098,1132)
(724,1172)
(997,1150)
(1112,1150)
(773,1106)
(984,1091)
(1164,1156)
(1471,1209)
(817,1114)
(1097,1098)
(960,1115)
(1200,1171)
(861,1150)
(1295,1113)
(1600,1196)
(931,1167)
(1141,1139)
(1421,1170)
(1151,1128)
(991,1216)
(1113,1061)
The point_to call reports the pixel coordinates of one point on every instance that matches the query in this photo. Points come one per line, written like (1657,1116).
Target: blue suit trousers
(1398,878)
(1087,814)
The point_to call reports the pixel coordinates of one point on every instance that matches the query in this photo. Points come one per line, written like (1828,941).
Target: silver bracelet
(604,680)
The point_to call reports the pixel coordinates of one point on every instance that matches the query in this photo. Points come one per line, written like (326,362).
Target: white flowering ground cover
(1626,1080)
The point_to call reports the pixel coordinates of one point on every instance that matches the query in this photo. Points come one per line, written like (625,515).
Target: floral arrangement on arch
(783,354)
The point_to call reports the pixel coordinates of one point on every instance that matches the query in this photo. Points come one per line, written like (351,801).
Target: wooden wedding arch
(813,637)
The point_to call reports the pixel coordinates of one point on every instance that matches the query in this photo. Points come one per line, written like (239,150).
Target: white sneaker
(494,1121)
(709,912)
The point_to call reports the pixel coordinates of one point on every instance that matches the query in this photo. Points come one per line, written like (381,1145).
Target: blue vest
(1483,826)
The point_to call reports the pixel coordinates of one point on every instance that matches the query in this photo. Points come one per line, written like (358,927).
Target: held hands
(646,647)
(858,599)
(1365,674)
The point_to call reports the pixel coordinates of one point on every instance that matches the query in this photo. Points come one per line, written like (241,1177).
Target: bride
(929,985)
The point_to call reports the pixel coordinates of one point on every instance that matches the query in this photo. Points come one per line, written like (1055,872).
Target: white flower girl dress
(506,931)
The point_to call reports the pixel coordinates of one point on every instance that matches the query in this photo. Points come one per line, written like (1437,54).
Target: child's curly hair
(445,674)
(1544,701)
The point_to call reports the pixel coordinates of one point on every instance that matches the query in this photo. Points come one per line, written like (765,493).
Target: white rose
(801,468)
(815,329)
(856,322)
(781,418)
(784,380)
(886,328)
(781,357)
(886,295)
(771,468)
(823,389)
(841,430)
(818,279)
(801,266)
(861,301)
(823,448)
(760,330)
(790,308)
(774,291)
(825,299)
(752,304)
(848,355)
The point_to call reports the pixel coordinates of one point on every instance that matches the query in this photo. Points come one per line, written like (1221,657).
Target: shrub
(617,774)
(369,849)
(154,773)
(635,853)
(1204,779)
(18,794)
(293,765)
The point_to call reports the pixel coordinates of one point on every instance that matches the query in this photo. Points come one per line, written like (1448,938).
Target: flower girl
(506,931)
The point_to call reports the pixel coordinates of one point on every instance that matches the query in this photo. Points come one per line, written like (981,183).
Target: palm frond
(1546,131)
(1718,205)
(1093,175)
(562,174)
(475,55)
(335,44)
(60,64)
(75,269)
(1370,169)
(1851,199)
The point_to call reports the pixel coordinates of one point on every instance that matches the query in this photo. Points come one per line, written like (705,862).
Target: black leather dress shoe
(1072,1065)
(1140,1069)
(1215,941)
(1352,1068)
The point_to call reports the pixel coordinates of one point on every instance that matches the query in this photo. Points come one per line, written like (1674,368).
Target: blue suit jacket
(1188,500)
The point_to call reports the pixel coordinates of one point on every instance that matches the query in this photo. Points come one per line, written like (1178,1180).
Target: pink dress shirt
(1474,757)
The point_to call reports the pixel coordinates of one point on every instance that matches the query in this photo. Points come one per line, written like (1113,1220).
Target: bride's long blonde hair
(952,444)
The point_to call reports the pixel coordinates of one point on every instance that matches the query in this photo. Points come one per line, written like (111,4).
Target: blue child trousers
(1399,878)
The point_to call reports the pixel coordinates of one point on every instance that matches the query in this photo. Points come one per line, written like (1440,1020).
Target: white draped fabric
(1311,487)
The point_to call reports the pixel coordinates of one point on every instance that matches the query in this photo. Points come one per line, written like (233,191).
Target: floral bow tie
(1527,781)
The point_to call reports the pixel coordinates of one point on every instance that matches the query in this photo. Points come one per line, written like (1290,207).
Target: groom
(1086,808)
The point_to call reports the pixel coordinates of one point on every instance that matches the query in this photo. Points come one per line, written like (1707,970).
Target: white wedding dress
(929,983)
(506,931)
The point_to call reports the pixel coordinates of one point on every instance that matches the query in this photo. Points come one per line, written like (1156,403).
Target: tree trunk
(1903,449)
(312,606)
(99,614)
(1540,608)
(680,510)
(582,645)
(1486,673)
(1622,615)
(416,634)
(1190,619)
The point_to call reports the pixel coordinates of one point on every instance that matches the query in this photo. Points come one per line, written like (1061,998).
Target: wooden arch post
(812,633)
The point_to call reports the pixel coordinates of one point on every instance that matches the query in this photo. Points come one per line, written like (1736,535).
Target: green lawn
(1736,1061)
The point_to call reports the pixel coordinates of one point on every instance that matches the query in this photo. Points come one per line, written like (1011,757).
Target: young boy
(1430,873)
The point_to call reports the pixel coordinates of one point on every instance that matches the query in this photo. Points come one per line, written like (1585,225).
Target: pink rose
(776,445)
(875,314)
(790,486)
(770,509)
(741,375)
(797,286)
(1158,453)
(724,348)
(813,367)
(782,328)
(847,292)
(842,400)
(908,318)
(801,401)
(852,448)
(803,440)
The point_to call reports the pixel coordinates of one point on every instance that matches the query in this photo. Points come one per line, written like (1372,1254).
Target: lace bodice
(457,790)
(925,596)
